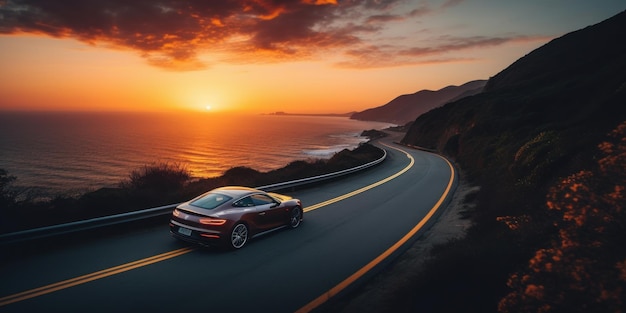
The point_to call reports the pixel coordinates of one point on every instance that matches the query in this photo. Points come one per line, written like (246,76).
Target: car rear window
(210,201)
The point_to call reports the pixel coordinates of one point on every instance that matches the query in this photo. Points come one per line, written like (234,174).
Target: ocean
(71,153)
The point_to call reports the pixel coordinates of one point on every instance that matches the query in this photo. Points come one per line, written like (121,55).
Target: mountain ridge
(405,108)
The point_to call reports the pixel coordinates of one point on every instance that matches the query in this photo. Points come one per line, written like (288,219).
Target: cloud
(451,3)
(451,44)
(169,32)
(383,18)
(437,50)
(175,34)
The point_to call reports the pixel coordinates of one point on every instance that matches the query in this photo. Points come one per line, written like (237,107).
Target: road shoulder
(379,294)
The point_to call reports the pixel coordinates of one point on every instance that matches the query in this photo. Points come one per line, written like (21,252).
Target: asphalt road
(352,227)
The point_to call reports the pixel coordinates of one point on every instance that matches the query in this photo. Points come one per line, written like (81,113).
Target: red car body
(231,216)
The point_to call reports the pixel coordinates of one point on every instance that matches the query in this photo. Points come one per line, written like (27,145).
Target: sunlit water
(59,153)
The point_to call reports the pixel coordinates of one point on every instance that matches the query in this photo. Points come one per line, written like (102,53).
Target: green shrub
(161,177)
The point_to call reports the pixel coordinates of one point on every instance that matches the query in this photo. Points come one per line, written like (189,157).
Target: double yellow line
(362,271)
(90,277)
(358,191)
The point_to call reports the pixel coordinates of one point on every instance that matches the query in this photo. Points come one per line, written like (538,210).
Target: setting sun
(238,62)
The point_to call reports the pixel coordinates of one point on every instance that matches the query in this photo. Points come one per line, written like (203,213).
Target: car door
(268,211)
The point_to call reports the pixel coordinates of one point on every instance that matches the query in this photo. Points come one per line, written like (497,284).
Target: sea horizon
(72,152)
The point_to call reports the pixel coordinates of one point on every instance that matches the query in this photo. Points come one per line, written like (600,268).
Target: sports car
(231,216)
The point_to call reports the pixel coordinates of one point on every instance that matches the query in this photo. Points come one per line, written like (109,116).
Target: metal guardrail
(61,229)
(315,179)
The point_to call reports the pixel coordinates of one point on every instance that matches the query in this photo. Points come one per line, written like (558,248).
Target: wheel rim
(296,217)
(239,236)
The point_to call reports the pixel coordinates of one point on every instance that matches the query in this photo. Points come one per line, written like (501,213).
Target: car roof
(235,191)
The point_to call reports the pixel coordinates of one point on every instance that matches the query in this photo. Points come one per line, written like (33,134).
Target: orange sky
(261,56)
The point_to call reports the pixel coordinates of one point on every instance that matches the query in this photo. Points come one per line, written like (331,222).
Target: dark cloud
(297,29)
(451,3)
(386,56)
(384,18)
(450,44)
(169,32)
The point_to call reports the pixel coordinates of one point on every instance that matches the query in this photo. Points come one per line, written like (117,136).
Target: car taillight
(210,236)
(212,221)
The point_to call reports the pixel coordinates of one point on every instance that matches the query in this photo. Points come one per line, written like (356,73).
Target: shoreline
(161,184)
(88,151)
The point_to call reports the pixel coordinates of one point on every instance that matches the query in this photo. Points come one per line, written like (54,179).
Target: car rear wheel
(296,217)
(239,236)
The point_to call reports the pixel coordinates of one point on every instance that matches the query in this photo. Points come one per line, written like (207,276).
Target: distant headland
(280,113)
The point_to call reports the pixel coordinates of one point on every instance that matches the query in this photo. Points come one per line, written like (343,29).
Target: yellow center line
(358,191)
(168,255)
(90,277)
(358,274)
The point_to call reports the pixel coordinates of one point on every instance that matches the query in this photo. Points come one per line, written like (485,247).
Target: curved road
(352,226)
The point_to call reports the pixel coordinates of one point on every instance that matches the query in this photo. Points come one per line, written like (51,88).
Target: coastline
(162,184)
(72,153)
(349,114)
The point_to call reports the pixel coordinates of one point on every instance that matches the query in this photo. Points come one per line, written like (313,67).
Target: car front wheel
(296,217)
(239,236)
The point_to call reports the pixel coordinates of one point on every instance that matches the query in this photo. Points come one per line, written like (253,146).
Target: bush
(7,195)
(162,177)
(583,268)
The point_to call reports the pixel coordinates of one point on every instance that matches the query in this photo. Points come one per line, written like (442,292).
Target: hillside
(406,108)
(570,96)
(546,142)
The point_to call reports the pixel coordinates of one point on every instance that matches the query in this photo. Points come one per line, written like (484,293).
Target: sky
(263,56)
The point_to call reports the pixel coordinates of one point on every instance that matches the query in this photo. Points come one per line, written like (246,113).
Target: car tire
(239,236)
(296,217)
